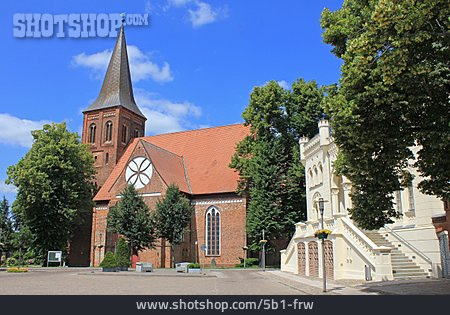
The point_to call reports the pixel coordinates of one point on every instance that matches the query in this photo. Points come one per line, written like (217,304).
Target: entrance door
(301,258)
(313,256)
(329,261)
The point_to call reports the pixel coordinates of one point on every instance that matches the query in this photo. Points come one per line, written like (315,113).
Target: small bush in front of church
(109,263)
(249,262)
(11,261)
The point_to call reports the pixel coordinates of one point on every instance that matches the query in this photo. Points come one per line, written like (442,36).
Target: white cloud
(7,189)
(203,14)
(16,131)
(199,12)
(164,115)
(178,3)
(140,63)
(284,84)
(148,7)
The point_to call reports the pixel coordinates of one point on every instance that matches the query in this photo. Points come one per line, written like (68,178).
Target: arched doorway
(329,260)
(301,258)
(313,259)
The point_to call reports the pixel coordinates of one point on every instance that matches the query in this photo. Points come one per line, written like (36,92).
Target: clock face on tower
(139,172)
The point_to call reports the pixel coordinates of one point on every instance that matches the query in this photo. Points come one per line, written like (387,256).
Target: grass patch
(17,270)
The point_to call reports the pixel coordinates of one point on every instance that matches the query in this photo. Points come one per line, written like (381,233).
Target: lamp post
(263,258)
(321,209)
(100,246)
(196,244)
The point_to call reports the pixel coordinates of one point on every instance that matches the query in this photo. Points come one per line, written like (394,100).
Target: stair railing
(409,245)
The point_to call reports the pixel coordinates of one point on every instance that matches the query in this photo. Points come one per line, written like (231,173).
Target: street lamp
(196,245)
(263,258)
(321,209)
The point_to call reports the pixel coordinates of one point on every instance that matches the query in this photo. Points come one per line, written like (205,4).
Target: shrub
(193,265)
(11,261)
(109,261)
(123,253)
(17,270)
(249,262)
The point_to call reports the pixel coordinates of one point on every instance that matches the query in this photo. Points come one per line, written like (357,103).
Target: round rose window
(139,172)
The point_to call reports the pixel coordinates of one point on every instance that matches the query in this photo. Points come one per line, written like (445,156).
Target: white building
(407,248)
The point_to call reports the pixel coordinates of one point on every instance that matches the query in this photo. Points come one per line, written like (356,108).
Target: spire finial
(123,17)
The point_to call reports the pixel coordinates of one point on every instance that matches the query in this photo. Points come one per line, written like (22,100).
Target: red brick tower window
(92,132)
(213,232)
(124,134)
(108,134)
(136,133)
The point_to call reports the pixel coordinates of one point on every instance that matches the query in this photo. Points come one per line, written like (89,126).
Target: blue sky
(193,66)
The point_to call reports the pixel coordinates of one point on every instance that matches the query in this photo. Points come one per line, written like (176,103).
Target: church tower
(114,119)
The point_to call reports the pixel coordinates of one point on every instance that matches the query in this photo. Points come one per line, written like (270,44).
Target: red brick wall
(233,214)
(232,210)
(118,116)
(442,223)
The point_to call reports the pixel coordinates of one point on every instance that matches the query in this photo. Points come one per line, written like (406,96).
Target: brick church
(196,161)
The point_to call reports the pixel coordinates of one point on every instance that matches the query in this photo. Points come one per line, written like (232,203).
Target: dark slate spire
(117,89)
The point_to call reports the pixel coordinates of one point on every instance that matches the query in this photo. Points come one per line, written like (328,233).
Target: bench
(182,267)
(144,267)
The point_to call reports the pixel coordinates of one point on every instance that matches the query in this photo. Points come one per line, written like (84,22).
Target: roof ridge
(162,149)
(186,175)
(192,130)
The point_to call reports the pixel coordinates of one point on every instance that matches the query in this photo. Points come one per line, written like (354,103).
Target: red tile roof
(206,154)
(169,165)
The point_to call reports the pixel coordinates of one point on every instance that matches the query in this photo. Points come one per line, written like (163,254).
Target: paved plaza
(79,281)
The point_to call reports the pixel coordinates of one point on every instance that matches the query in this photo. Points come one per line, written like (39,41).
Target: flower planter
(322,236)
(123,268)
(194,270)
(108,269)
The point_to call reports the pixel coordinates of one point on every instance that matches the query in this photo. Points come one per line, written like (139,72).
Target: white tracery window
(320,173)
(139,172)
(213,232)
(316,176)
(411,198)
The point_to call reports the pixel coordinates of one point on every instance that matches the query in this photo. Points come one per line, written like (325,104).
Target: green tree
(393,95)
(6,225)
(172,216)
(132,219)
(54,181)
(268,159)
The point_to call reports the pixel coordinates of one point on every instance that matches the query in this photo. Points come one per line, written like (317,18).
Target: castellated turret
(324,132)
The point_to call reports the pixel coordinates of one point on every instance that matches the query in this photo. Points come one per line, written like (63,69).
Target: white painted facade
(407,248)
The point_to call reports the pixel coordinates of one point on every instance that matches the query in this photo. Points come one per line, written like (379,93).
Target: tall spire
(117,89)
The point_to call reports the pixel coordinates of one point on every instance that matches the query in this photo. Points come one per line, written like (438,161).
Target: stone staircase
(402,266)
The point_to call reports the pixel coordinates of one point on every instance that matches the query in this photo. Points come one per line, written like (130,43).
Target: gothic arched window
(108,134)
(310,175)
(136,133)
(213,232)
(320,173)
(124,133)
(92,131)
